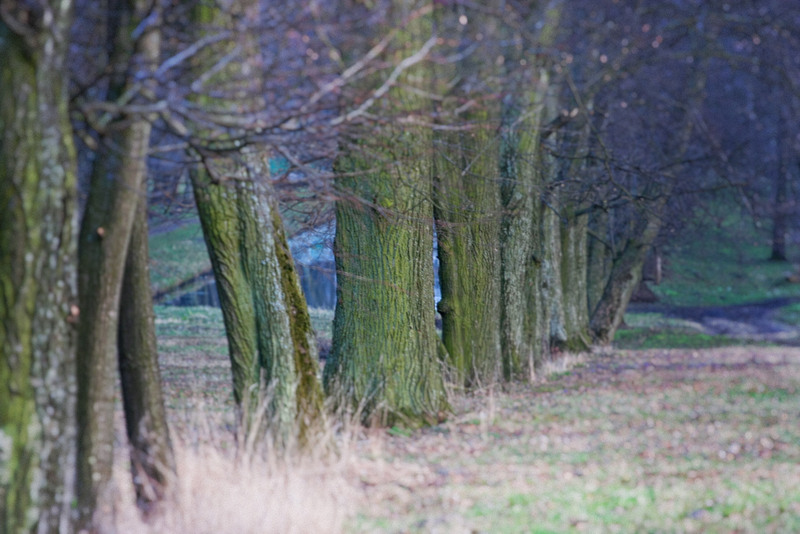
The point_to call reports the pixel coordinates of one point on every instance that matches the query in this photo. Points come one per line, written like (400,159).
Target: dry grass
(223,488)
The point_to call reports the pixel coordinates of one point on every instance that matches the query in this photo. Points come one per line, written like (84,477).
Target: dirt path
(753,321)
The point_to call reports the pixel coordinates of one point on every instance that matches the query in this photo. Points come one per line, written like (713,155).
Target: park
(399,266)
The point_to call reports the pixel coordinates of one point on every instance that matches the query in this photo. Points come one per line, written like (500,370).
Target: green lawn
(177,255)
(721,263)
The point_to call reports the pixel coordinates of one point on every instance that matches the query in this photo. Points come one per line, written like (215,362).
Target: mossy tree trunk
(467,213)
(522,312)
(467,208)
(599,257)
(574,264)
(270,341)
(552,288)
(271,345)
(117,178)
(37,271)
(384,358)
(574,237)
(152,458)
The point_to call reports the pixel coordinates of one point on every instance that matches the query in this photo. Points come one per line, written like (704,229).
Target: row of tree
(541,147)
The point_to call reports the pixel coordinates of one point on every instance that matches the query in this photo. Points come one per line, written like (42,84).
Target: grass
(790,314)
(689,440)
(720,260)
(699,438)
(655,331)
(177,255)
(657,441)
(723,261)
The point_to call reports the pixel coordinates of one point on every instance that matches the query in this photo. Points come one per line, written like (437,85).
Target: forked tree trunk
(37,274)
(625,275)
(116,181)
(270,341)
(626,269)
(152,459)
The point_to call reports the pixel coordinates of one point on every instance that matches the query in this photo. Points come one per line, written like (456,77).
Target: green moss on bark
(384,358)
(37,278)
(467,212)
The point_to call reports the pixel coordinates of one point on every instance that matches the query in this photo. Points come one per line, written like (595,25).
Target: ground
(769,320)
(701,437)
(659,441)
(703,440)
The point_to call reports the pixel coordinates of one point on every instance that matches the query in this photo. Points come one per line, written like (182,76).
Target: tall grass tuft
(227,487)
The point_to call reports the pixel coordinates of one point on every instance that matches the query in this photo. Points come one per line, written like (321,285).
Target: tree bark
(552,293)
(599,257)
(152,459)
(467,213)
(273,356)
(37,272)
(384,357)
(384,361)
(574,263)
(116,180)
(626,273)
(521,312)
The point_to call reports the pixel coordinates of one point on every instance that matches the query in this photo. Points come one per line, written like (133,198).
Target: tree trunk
(599,258)
(574,250)
(467,213)
(117,177)
(384,360)
(626,273)
(552,293)
(626,269)
(152,459)
(522,314)
(37,272)
(520,236)
(780,212)
(384,357)
(273,356)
